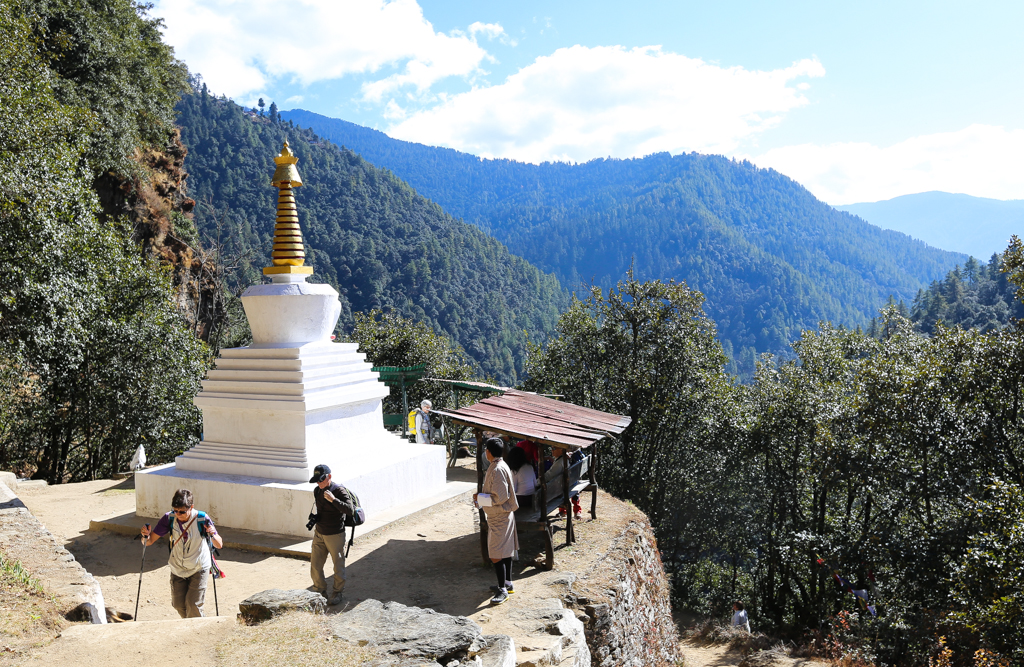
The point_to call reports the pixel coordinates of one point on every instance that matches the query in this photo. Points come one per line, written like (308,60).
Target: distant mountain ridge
(957,222)
(770,258)
(367,233)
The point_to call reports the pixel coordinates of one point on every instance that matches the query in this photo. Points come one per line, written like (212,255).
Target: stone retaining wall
(24,538)
(624,602)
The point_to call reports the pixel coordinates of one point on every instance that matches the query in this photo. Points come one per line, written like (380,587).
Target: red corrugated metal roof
(534,417)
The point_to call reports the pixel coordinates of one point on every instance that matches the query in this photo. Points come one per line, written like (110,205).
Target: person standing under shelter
(333,504)
(190,558)
(424,430)
(502,540)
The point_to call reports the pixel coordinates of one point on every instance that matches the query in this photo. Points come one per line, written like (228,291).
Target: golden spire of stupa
(288,255)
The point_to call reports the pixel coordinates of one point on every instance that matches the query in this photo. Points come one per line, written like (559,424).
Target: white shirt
(740,618)
(525,480)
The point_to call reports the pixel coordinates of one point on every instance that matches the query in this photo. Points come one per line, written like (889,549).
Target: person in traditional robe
(502,540)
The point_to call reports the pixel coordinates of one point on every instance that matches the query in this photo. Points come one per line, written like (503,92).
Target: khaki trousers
(188,594)
(322,546)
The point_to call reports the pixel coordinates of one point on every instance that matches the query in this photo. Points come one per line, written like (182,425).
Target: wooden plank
(585,417)
(491,412)
(519,431)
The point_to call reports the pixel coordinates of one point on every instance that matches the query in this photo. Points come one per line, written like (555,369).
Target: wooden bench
(551,494)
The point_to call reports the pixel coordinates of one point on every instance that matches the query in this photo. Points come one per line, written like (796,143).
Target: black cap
(319,473)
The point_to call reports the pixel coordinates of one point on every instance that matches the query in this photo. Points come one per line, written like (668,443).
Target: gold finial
(288,255)
(286,171)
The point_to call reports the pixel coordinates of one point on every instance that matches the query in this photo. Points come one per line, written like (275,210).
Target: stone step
(332,381)
(304,352)
(143,629)
(260,375)
(226,454)
(265,454)
(248,363)
(363,391)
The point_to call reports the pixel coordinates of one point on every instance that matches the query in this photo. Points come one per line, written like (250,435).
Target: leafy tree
(388,339)
(97,359)
(988,583)
(109,58)
(646,350)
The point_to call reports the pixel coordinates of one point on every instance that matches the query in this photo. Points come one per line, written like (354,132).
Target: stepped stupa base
(397,475)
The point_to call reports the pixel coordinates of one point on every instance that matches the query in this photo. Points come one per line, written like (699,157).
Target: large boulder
(422,634)
(267,604)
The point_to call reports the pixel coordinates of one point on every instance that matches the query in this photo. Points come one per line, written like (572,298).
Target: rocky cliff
(624,600)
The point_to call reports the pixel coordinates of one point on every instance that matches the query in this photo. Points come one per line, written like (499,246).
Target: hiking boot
(500,597)
(508,589)
(335,599)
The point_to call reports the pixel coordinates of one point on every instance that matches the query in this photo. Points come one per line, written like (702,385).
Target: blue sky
(858,102)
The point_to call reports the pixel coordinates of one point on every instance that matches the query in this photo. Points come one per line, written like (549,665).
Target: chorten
(291,400)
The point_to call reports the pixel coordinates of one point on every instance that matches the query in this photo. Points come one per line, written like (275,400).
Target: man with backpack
(420,425)
(187,531)
(333,504)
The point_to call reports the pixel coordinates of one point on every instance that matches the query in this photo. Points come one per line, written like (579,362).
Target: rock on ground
(265,605)
(415,633)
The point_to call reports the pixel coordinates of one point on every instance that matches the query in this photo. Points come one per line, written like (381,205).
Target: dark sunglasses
(183,511)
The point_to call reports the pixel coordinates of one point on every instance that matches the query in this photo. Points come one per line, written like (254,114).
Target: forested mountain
(770,258)
(959,222)
(367,233)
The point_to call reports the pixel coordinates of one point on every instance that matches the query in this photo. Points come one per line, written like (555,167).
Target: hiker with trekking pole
(192,539)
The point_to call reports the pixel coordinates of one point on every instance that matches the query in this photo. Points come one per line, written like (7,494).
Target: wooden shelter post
(593,481)
(549,546)
(569,536)
(479,435)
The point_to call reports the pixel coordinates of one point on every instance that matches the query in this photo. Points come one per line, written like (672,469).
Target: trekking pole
(215,573)
(145,543)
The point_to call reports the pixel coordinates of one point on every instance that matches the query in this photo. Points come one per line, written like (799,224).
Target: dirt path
(720,656)
(431,561)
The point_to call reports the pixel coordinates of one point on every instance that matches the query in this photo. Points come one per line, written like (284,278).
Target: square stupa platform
(273,412)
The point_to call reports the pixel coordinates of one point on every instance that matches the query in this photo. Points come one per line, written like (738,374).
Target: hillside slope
(770,258)
(973,225)
(367,233)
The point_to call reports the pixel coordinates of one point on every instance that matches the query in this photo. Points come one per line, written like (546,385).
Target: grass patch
(303,637)
(28,616)
(118,492)
(714,632)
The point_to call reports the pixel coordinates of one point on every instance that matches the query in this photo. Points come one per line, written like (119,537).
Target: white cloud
(580,103)
(295,99)
(980,160)
(240,46)
(489,30)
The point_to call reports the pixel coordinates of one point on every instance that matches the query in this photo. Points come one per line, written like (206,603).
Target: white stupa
(288,402)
